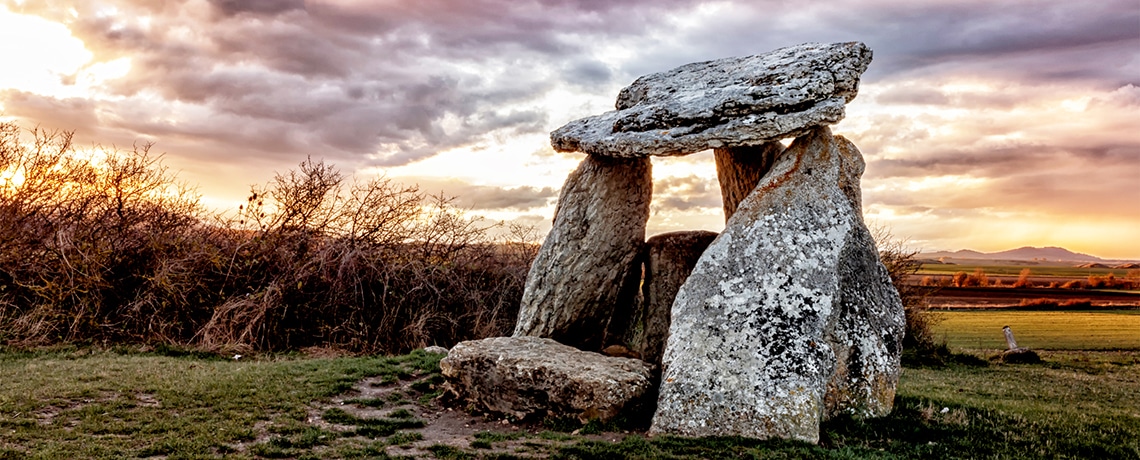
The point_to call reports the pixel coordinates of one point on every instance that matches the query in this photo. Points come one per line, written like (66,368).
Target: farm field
(1040,330)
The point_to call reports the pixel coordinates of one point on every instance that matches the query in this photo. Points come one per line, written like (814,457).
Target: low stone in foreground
(526,377)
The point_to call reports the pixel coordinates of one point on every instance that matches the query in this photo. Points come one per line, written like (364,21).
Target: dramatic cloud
(974,114)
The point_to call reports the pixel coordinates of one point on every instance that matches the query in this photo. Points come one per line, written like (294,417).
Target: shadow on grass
(917,428)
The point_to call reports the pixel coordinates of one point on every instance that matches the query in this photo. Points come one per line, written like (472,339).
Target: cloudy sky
(985,124)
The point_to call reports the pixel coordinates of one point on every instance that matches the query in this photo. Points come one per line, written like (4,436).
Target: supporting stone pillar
(739,169)
(669,258)
(587,266)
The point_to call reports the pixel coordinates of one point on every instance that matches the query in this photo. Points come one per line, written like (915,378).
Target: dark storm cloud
(1026,40)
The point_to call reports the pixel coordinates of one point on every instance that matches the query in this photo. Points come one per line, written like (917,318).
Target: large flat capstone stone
(526,377)
(728,102)
(752,348)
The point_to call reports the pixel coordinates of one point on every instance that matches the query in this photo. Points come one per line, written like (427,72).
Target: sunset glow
(984,126)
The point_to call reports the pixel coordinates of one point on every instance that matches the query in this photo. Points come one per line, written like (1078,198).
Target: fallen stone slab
(728,102)
(529,377)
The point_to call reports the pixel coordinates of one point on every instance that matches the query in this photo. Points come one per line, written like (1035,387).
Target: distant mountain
(1026,253)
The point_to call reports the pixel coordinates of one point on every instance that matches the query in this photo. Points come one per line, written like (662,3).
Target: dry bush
(978,278)
(1055,304)
(1108,281)
(1023,279)
(110,249)
(1072,284)
(901,264)
(959,279)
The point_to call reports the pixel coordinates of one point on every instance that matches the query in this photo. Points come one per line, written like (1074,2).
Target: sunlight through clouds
(980,123)
(42,68)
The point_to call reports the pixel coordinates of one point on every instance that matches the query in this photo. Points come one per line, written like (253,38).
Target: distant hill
(1053,254)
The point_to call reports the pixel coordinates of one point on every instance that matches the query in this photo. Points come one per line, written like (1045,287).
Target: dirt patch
(445,426)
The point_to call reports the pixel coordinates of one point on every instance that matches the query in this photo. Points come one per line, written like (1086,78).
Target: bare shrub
(1108,281)
(1055,304)
(961,279)
(1072,284)
(1023,279)
(107,247)
(978,278)
(901,264)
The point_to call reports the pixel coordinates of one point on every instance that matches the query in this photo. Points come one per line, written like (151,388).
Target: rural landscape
(157,330)
(573,229)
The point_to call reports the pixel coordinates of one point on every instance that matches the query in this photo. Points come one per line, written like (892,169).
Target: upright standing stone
(746,353)
(669,258)
(866,331)
(739,169)
(587,265)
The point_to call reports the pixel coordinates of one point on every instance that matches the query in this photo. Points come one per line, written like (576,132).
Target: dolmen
(784,319)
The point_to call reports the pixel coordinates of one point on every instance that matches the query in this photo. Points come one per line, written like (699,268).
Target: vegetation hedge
(107,247)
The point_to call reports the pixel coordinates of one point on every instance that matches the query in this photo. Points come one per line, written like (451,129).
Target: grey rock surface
(748,351)
(526,377)
(866,329)
(587,267)
(669,258)
(739,169)
(728,102)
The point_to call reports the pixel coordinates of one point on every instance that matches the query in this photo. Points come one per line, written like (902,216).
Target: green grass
(102,404)
(1044,330)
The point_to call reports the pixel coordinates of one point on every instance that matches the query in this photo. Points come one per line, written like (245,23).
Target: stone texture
(739,169)
(669,258)
(724,103)
(588,266)
(866,329)
(748,351)
(525,377)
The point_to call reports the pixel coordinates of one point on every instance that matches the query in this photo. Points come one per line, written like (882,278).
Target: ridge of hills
(1026,253)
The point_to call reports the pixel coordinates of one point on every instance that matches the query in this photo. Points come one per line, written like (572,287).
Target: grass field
(1044,330)
(102,404)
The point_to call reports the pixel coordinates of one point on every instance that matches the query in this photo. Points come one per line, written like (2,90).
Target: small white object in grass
(237,357)
(945,410)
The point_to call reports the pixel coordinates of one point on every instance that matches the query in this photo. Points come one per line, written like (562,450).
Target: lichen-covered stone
(724,103)
(529,377)
(756,328)
(669,258)
(866,331)
(739,169)
(588,266)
